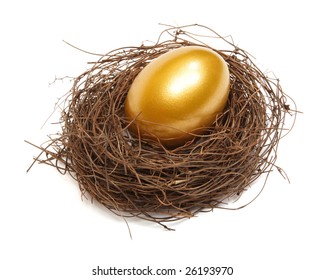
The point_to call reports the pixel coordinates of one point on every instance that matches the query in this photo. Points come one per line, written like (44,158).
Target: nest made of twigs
(139,177)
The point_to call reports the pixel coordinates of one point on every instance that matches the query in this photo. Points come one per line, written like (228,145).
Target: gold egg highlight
(178,95)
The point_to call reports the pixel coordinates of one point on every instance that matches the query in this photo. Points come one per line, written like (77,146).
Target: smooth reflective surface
(178,93)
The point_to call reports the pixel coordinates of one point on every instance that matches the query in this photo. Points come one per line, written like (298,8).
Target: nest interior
(139,177)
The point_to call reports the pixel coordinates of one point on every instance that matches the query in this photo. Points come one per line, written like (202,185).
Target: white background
(48,232)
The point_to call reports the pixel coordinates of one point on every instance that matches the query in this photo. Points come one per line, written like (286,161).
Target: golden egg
(177,95)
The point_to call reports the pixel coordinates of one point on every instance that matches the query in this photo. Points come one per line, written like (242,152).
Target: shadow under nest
(139,177)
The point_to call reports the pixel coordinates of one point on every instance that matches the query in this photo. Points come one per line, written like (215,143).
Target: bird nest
(140,177)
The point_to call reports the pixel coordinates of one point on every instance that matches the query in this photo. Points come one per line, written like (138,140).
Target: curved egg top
(178,94)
